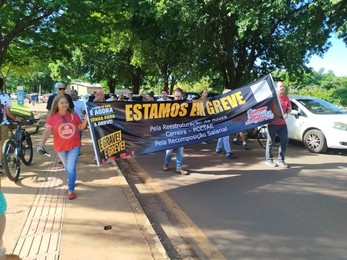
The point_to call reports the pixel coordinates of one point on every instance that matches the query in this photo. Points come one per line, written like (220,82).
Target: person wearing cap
(148,97)
(60,87)
(91,96)
(99,96)
(151,94)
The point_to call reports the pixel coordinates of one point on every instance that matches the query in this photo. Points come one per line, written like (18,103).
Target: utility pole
(39,97)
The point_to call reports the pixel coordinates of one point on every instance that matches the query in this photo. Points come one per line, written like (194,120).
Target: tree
(338,18)
(136,43)
(22,26)
(158,48)
(317,84)
(23,22)
(28,76)
(100,48)
(243,40)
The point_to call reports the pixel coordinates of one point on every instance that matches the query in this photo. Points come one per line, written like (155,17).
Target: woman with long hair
(64,124)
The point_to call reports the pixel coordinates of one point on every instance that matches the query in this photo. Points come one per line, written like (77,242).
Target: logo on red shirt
(66,130)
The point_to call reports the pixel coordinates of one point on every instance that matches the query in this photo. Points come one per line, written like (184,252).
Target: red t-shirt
(285,103)
(65,131)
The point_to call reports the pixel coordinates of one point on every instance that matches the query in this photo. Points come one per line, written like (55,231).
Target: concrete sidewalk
(105,221)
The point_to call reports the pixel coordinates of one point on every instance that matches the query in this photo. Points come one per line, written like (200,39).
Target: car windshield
(319,106)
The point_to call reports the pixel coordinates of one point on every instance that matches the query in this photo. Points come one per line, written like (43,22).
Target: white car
(317,123)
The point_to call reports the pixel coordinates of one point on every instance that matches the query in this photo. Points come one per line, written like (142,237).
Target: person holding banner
(204,94)
(130,96)
(64,124)
(164,96)
(112,97)
(178,95)
(224,141)
(99,96)
(278,127)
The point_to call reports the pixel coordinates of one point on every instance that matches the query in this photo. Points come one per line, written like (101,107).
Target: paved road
(242,209)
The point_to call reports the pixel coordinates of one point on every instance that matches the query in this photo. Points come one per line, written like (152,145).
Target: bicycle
(16,149)
(261,135)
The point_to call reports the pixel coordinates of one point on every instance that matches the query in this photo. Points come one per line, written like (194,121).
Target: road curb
(156,247)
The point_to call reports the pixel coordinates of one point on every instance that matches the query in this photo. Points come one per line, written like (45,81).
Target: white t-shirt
(79,108)
(161,99)
(5,101)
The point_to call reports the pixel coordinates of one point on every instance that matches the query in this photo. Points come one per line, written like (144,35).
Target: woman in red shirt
(64,125)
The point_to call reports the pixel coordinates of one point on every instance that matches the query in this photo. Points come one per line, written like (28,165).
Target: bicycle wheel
(262,136)
(11,163)
(27,149)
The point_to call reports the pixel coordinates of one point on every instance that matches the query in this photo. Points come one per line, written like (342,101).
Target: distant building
(84,88)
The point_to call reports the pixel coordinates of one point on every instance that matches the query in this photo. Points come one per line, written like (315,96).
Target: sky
(335,59)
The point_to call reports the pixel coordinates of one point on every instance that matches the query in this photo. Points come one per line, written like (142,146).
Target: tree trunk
(111,82)
(136,80)
(4,44)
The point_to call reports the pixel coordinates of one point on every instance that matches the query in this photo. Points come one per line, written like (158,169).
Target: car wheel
(315,142)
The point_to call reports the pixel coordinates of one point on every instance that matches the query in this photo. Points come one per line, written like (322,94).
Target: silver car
(317,123)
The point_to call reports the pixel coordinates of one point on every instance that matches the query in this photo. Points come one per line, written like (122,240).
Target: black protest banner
(122,129)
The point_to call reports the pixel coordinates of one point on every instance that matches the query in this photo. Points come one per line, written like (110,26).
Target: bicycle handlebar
(29,121)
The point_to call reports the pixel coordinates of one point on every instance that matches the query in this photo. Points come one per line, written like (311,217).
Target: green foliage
(339,96)
(23,27)
(198,86)
(318,84)
(336,96)
(31,77)
(137,44)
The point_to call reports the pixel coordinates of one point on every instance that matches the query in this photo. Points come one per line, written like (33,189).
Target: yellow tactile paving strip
(42,232)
